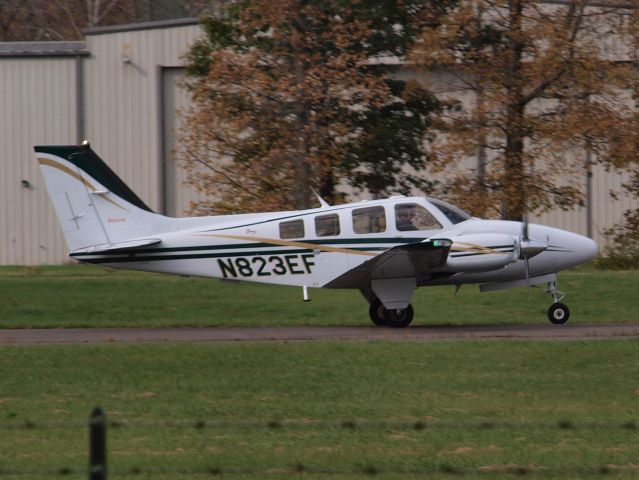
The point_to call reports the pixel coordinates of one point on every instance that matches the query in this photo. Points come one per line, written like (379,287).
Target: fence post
(97,445)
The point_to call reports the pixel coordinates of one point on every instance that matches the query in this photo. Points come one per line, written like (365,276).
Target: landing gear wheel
(558,313)
(399,318)
(376,312)
(390,318)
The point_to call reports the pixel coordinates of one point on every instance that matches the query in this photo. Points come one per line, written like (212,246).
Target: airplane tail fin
(94,206)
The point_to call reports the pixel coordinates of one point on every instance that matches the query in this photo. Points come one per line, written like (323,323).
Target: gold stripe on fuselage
(53,164)
(288,243)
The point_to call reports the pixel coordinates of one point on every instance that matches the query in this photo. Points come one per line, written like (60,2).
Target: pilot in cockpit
(405,216)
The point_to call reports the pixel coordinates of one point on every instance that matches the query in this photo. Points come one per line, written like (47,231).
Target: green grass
(312,387)
(317,386)
(84,296)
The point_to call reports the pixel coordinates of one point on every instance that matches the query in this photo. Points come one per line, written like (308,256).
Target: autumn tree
(541,88)
(290,95)
(43,20)
(46,20)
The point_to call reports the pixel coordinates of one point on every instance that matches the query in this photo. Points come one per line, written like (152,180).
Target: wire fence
(333,425)
(365,471)
(98,426)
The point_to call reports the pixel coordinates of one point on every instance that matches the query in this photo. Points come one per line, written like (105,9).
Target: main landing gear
(558,313)
(395,318)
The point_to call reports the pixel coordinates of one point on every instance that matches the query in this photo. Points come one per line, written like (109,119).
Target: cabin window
(292,229)
(410,216)
(369,220)
(327,225)
(454,214)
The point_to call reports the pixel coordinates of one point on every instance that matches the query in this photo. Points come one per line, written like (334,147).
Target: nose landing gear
(558,313)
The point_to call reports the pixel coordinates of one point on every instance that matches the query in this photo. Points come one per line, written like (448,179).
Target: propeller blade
(527,270)
(528,247)
(524,228)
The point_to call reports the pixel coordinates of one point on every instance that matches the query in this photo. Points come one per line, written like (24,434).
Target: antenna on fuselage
(322,202)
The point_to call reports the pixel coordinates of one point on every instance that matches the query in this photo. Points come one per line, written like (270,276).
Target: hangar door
(177,196)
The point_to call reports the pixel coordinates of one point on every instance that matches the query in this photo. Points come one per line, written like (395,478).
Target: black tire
(399,318)
(376,313)
(558,313)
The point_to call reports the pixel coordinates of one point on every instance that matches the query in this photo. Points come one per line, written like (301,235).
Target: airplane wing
(410,260)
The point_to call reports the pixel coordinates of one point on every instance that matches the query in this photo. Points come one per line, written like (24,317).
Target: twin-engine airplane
(385,248)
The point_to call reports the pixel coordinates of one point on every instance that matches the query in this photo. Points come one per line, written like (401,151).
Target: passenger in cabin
(369,220)
(405,214)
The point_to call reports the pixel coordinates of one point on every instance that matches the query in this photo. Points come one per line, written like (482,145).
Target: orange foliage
(276,106)
(539,84)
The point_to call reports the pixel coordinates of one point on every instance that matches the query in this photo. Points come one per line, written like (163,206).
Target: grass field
(311,388)
(341,409)
(85,296)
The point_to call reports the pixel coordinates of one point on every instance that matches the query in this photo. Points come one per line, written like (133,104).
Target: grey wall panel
(38,107)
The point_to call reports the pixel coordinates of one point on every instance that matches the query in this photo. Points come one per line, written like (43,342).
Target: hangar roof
(179,22)
(42,49)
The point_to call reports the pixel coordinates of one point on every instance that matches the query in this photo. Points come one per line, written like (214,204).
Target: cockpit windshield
(454,214)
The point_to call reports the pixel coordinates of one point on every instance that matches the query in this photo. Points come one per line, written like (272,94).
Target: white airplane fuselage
(248,247)
(385,248)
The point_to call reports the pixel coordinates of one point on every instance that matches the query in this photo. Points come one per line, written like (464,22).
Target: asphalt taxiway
(547,332)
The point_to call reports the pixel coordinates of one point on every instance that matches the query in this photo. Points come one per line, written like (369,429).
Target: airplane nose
(565,249)
(593,248)
(584,248)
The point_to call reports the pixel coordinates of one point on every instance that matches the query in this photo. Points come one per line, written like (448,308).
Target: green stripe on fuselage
(132,256)
(370,241)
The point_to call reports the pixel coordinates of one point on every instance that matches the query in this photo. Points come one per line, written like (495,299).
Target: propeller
(528,248)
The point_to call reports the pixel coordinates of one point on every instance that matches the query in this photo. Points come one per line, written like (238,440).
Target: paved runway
(261,334)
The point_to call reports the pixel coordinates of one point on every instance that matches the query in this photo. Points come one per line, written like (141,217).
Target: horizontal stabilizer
(114,247)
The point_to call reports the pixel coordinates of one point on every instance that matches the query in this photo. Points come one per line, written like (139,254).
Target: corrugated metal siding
(123,101)
(38,107)
(606,210)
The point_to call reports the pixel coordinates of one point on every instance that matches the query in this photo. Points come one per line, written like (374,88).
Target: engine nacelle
(481,252)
